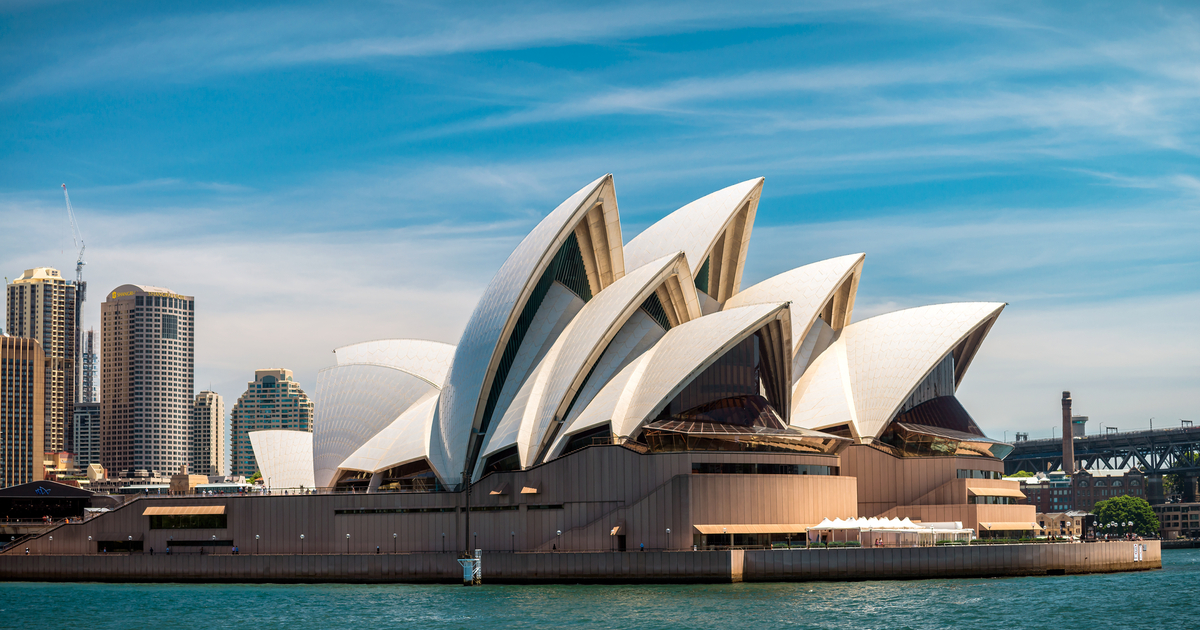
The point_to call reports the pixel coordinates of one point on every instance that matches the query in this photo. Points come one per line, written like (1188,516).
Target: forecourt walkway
(730,565)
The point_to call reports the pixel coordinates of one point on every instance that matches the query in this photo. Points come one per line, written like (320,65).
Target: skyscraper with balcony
(208,435)
(272,401)
(42,305)
(146,376)
(22,405)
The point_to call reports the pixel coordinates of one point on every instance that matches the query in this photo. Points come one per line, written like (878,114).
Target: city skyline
(951,151)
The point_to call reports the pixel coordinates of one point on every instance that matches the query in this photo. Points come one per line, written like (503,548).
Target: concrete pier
(723,566)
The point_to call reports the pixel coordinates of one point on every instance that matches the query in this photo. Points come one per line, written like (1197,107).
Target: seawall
(597,567)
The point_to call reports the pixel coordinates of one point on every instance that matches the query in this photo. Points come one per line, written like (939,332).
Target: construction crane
(80,297)
(77,239)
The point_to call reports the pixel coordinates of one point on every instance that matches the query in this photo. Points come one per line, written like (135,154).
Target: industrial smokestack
(1068,444)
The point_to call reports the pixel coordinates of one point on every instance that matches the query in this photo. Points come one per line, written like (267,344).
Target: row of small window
(978,474)
(144,300)
(729,468)
(482,508)
(991,501)
(189,521)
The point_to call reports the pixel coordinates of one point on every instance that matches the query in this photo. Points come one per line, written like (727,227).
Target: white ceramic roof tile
(603,408)
(355,402)
(868,373)
(285,458)
(405,440)
(637,336)
(559,310)
(579,347)
(686,351)
(501,303)
(429,360)
(808,288)
(692,229)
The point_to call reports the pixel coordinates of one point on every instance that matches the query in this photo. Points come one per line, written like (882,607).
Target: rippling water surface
(1156,599)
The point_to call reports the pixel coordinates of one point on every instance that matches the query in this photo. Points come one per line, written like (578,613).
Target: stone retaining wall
(599,567)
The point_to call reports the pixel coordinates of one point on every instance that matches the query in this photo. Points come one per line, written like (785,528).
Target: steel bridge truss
(1164,451)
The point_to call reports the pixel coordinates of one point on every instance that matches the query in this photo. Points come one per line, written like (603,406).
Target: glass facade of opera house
(609,394)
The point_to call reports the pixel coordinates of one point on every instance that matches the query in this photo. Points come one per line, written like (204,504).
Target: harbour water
(1155,599)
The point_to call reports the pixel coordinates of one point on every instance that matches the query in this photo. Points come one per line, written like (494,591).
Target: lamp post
(89,542)
(476,539)
(393,542)
(214,541)
(443,542)
(51,540)
(558,545)
(725,533)
(513,539)
(256,547)
(668,538)
(347,543)
(301,544)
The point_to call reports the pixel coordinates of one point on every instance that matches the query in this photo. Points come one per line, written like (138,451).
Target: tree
(1123,510)
(1021,473)
(1173,484)
(255,477)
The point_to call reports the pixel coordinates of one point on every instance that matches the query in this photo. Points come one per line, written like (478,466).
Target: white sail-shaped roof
(553,385)
(405,440)
(355,402)
(559,310)
(429,360)
(823,289)
(864,377)
(285,458)
(714,228)
(615,395)
(645,386)
(591,214)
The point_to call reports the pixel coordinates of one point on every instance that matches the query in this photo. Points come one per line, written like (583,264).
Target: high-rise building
(22,411)
(272,401)
(87,438)
(146,369)
(208,435)
(89,363)
(42,306)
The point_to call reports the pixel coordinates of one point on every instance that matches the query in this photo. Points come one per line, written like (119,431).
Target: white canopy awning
(868,523)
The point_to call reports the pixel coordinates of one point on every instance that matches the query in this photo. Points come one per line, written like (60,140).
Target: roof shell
(561,373)
(284,457)
(353,403)
(872,368)
(405,440)
(647,384)
(429,360)
(810,289)
(591,213)
(725,217)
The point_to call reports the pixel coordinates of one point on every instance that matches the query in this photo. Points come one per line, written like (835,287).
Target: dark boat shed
(38,499)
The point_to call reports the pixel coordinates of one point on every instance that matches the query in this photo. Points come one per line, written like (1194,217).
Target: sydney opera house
(610,394)
(606,393)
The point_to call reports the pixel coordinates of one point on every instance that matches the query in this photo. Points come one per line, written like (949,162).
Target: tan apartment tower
(272,401)
(208,435)
(146,370)
(42,305)
(22,409)
(1068,439)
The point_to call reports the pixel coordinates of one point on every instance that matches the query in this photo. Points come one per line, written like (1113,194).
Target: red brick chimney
(1068,443)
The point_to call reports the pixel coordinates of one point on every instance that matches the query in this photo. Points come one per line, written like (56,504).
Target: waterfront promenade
(730,565)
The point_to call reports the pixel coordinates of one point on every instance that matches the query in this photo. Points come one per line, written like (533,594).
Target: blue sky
(317,174)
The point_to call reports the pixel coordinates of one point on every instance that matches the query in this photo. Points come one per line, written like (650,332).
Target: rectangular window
(726,468)
(189,521)
(170,327)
